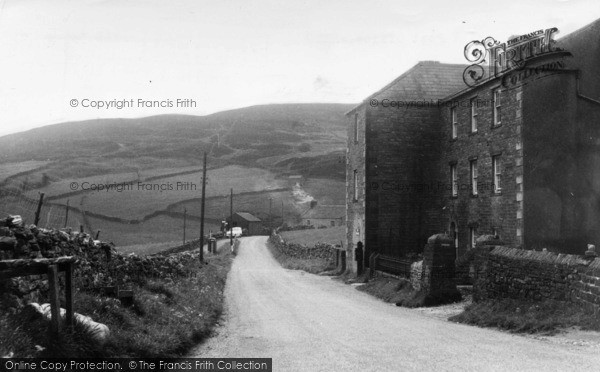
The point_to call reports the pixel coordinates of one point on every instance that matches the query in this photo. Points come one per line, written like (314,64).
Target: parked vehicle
(237,232)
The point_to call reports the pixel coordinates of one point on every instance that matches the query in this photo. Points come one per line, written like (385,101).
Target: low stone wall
(320,250)
(502,272)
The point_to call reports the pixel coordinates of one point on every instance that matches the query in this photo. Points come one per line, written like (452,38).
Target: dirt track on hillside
(313,323)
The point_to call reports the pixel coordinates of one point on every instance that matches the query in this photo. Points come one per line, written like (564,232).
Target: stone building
(324,215)
(515,154)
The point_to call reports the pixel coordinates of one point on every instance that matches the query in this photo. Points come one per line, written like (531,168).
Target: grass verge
(310,265)
(520,316)
(401,292)
(166,319)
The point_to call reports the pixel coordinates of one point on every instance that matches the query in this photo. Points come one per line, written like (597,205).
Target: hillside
(250,150)
(255,136)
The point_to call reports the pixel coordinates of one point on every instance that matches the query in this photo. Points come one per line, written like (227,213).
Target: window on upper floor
(454,120)
(473,105)
(454,179)
(497,173)
(497,104)
(355,180)
(473,171)
(356,128)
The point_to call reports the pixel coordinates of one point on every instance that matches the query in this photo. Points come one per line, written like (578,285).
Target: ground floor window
(454,235)
(473,236)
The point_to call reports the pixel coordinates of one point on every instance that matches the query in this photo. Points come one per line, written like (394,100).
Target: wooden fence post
(54,300)
(69,294)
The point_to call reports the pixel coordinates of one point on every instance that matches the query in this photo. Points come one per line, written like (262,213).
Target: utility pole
(281,212)
(231,219)
(270,207)
(202,211)
(39,208)
(184,223)
(67,214)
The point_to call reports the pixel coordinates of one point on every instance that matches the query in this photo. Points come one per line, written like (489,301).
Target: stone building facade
(516,155)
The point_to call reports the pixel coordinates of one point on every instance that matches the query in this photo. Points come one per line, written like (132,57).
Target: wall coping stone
(560,259)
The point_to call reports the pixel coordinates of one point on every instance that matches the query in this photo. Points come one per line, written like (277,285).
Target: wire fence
(15,202)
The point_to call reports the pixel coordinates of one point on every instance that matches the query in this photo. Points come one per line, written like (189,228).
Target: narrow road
(313,323)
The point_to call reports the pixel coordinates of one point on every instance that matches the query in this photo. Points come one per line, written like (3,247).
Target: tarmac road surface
(308,322)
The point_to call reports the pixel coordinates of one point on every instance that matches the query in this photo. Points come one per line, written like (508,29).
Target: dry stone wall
(97,264)
(502,272)
(320,250)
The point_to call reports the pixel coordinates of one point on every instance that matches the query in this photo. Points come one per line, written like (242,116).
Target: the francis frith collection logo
(490,58)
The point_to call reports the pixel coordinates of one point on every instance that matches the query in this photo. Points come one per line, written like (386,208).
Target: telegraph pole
(270,207)
(231,219)
(184,223)
(202,211)
(67,214)
(39,208)
(281,212)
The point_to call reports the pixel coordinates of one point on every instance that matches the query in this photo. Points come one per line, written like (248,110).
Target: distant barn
(296,180)
(325,215)
(248,222)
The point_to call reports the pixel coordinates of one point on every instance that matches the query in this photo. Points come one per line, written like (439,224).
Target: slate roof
(324,211)
(427,80)
(248,217)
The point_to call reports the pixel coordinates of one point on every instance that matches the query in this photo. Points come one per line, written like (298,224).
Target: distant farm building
(296,180)
(248,222)
(325,215)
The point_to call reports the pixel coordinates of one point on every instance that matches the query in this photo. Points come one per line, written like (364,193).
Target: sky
(59,59)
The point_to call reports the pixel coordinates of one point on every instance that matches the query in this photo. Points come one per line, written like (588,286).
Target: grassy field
(135,202)
(310,237)
(257,204)
(326,191)
(137,215)
(160,229)
(63,186)
(164,229)
(10,169)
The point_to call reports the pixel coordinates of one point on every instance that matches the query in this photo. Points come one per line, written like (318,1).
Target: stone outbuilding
(248,222)
(325,215)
